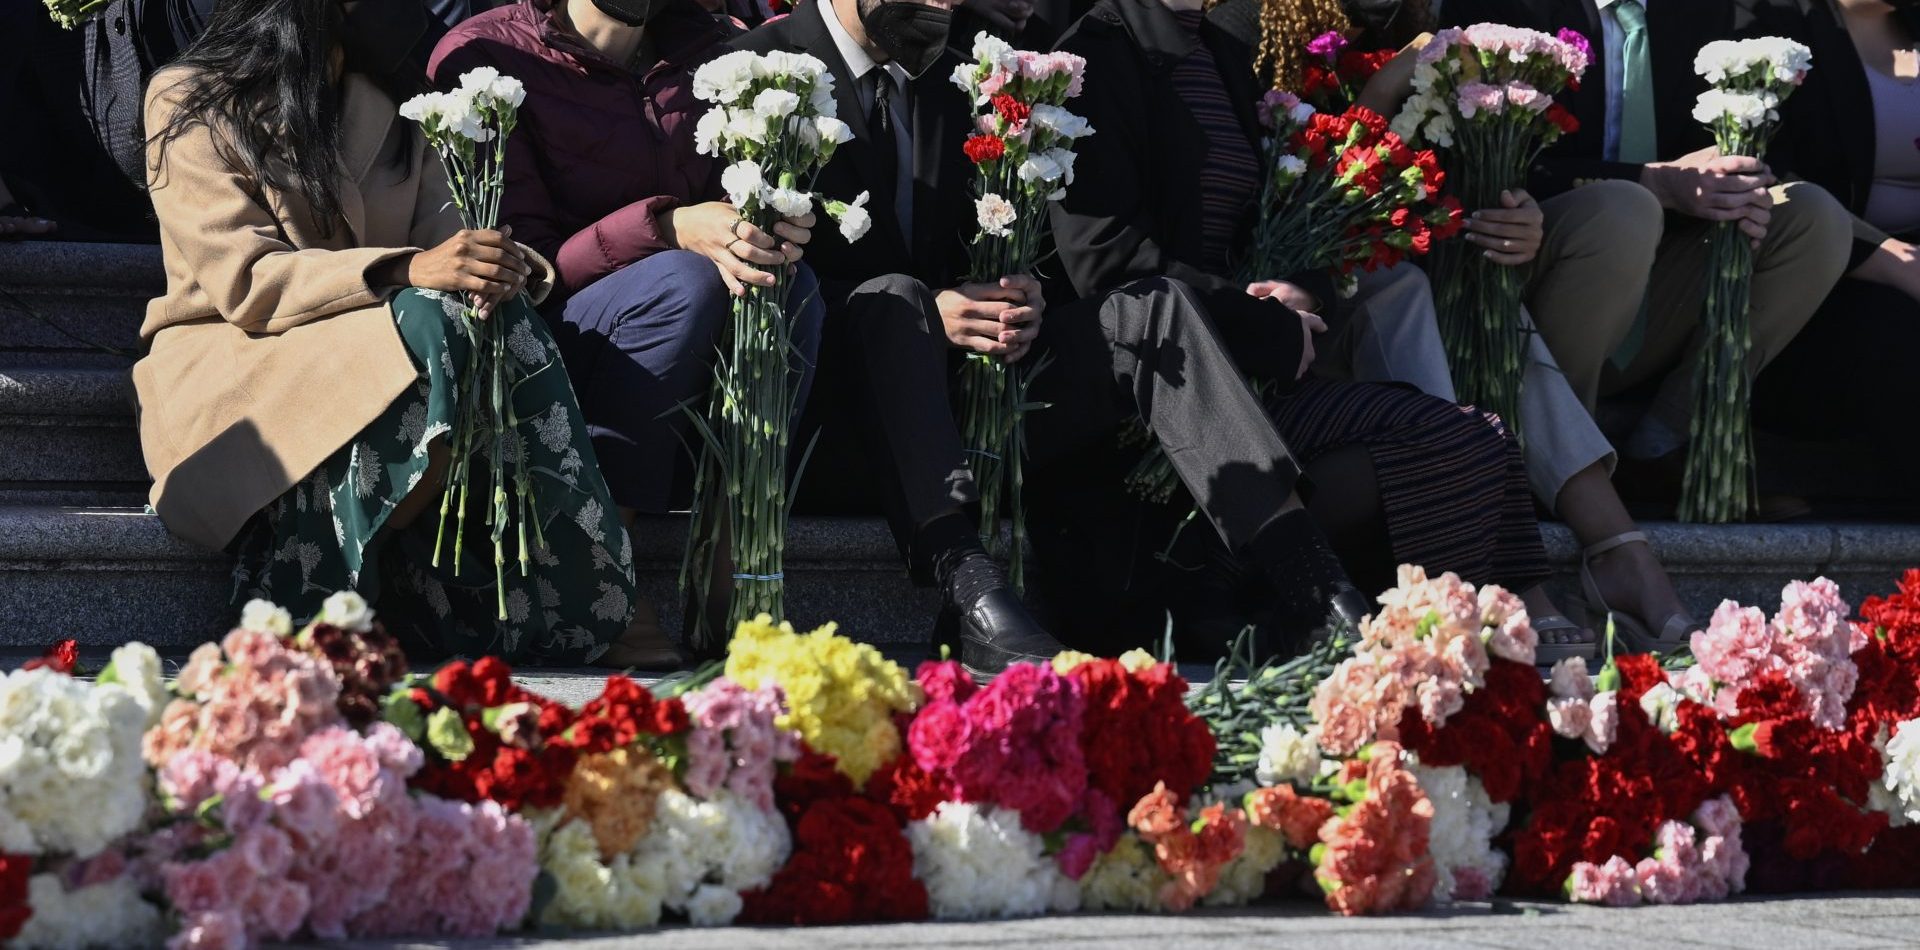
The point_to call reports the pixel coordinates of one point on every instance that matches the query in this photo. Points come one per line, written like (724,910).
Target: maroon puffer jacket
(600,149)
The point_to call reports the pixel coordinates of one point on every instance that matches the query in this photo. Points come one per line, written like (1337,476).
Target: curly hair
(1285,28)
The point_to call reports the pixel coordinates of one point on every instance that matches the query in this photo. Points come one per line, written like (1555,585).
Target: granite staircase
(80,556)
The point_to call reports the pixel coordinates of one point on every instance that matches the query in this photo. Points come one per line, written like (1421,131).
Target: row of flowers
(302,783)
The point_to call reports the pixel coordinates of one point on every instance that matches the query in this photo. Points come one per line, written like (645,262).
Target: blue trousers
(639,345)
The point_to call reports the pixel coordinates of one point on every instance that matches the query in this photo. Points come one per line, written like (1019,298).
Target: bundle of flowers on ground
(301,784)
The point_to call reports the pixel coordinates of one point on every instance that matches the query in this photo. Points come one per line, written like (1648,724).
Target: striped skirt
(1452,482)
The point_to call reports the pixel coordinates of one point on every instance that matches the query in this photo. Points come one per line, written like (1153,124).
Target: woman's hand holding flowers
(1511,233)
(486,264)
(714,229)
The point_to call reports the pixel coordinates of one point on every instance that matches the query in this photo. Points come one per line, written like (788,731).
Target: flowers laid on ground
(1022,153)
(814,782)
(468,128)
(772,119)
(1484,97)
(1748,81)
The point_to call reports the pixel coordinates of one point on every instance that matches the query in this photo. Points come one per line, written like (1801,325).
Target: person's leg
(638,344)
(898,354)
(1591,275)
(1396,332)
(1803,255)
(1149,349)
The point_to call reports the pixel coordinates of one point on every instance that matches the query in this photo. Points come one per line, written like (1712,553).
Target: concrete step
(78,298)
(105,575)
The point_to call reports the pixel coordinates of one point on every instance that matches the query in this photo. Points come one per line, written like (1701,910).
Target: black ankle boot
(1313,595)
(981,619)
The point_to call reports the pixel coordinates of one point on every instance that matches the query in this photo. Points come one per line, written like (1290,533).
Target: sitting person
(1393,333)
(602,178)
(1852,130)
(298,388)
(1445,487)
(1637,134)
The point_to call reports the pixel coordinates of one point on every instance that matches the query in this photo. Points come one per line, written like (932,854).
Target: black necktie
(886,154)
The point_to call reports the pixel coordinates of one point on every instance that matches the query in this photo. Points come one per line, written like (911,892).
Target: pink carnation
(1015,743)
(1809,641)
(1477,97)
(734,743)
(221,930)
(1615,883)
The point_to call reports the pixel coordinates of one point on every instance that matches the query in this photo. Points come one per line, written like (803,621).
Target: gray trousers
(1396,338)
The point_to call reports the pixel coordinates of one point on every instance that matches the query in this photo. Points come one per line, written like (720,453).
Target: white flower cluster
(484,99)
(102,915)
(71,777)
(1465,821)
(1901,776)
(696,860)
(774,120)
(978,862)
(1426,116)
(1748,110)
(1027,126)
(1753,63)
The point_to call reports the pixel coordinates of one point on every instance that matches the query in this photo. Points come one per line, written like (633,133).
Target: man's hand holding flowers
(714,229)
(996,319)
(1706,184)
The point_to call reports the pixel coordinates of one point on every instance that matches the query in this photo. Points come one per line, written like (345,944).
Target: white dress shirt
(859,64)
(1613,39)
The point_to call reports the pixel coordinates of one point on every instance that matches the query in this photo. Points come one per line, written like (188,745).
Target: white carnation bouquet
(1750,79)
(468,129)
(773,120)
(1022,152)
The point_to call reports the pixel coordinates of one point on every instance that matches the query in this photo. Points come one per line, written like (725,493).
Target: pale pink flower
(1475,98)
(265,851)
(277,909)
(1570,716)
(218,930)
(1615,883)
(1604,724)
(1570,679)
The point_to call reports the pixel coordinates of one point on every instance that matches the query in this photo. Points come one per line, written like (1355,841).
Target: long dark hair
(261,78)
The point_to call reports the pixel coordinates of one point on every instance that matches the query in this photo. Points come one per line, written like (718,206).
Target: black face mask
(911,33)
(378,35)
(630,12)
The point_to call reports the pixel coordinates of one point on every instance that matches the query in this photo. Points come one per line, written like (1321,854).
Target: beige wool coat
(270,350)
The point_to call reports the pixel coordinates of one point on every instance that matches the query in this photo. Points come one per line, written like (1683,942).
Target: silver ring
(1506,242)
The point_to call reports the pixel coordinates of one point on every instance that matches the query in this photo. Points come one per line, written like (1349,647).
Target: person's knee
(891,304)
(1812,229)
(1614,217)
(893,285)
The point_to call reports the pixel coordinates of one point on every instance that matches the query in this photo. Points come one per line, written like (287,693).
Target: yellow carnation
(1126,878)
(841,695)
(1244,878)
(1137,660)
(1066,660)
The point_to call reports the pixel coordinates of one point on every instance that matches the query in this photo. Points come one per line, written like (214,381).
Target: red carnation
(905,787)
(850,863)
(15,869)
(1563,118)
(1137,731)
(985,148)
(1012,110)
(62,657)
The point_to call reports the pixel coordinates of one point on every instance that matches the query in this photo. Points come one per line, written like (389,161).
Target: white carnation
(1902,773)
(1060,122)
(348,611)
(788,202)
(725,79)
(978,862)
(744,182)
(1291,166)
(852,216)
(264,616)
(775,104)
(104,915)
(988,48)
(1039,167)
(1465,822)
(1658,703)
(785,65)
(1747,110)
(135,669)
(710,132)
(1064,158)
(1287,756)
(832,130)
(995,215)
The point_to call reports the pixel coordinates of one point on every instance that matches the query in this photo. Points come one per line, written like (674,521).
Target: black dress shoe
(992,632)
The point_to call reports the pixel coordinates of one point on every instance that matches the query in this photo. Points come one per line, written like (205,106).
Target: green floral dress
(330,532)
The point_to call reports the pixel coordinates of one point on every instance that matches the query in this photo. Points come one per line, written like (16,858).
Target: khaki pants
(1609,244)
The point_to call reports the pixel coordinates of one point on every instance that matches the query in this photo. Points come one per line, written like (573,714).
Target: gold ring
(734,228)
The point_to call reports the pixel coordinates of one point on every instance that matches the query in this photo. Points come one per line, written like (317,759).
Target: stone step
(79,299)
(68,424)
(105,575)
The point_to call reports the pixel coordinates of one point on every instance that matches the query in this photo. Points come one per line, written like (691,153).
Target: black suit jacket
(1677,29)
(1134,210)
(942,198)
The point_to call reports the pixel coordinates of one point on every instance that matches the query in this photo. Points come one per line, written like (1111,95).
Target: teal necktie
(1636,129)
(1636,85)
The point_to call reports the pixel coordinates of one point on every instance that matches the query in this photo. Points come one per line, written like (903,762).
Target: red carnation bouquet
(1333,82)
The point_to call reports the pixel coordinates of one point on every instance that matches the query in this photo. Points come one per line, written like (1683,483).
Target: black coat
(1134,209)
(942,199)
(1677,29)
